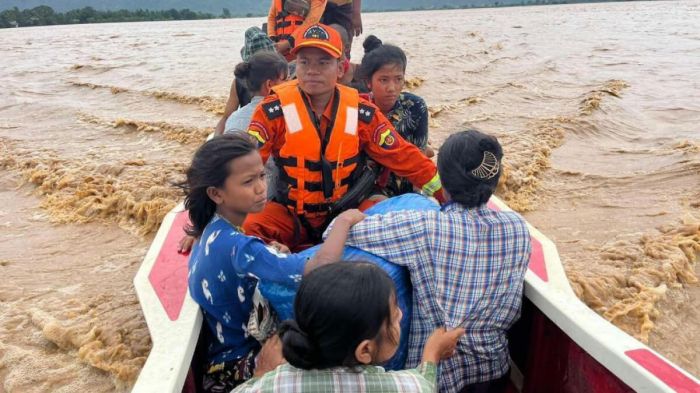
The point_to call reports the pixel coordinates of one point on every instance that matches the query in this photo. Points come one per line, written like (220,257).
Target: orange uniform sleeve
(267,126)
(386,146)
(271,20)
(315,12)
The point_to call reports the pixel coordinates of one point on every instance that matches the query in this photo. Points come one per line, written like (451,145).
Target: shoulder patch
(365,113)
(258,132)
(385,137)
(273,109)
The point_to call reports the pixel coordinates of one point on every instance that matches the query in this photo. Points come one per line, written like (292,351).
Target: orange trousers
(278,223)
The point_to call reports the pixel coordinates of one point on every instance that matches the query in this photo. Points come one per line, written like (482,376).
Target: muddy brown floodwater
(597,106)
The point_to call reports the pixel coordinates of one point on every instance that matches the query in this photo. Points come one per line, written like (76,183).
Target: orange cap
(319,36)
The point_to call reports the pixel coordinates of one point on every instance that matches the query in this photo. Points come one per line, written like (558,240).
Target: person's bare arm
(441,344)
(231,106)
(356,17)
(269,357)
(332,248)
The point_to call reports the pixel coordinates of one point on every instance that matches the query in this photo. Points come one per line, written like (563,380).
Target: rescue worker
(317,130)
(286,16)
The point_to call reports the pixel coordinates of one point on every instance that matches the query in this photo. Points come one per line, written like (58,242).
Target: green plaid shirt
(368,379)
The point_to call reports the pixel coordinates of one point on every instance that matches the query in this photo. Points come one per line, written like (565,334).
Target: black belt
(308,186)
(308,207)
(287,23)
(314,165)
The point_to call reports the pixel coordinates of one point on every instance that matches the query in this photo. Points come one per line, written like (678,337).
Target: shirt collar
(397,104)
(453,206)
(329,106)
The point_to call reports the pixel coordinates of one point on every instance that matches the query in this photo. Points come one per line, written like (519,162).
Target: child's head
(469,163)
(346,315)
(262,71)
(226,176)
(383,69)
(345,38)
(256,41)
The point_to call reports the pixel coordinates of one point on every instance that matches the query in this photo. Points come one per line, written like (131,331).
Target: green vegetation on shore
(45,15)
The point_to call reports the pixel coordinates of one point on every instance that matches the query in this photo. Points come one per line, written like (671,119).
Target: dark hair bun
(297,349)
(462,153)
(242,70)
(371,43)
(489,145)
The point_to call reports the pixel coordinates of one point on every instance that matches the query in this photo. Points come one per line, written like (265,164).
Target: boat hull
(558,345)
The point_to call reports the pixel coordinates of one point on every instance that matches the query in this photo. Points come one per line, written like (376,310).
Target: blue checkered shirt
(467,267)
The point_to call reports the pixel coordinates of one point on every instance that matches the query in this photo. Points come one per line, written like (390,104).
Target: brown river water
(597,106)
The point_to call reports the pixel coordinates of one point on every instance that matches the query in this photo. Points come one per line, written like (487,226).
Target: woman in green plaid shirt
(347,324)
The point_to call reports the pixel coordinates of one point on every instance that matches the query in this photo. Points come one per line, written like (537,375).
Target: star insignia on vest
(317,32)
(365,113)
(387,140)
(273,109)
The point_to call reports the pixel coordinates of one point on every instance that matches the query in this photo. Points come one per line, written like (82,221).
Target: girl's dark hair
(261,67)
(378,55)
(210,168)
(469,163)
(337,307)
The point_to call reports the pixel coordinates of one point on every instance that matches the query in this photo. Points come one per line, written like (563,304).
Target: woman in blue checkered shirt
(467,264)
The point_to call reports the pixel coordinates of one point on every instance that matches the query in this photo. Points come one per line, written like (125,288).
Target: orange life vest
(316,168)
(285,23)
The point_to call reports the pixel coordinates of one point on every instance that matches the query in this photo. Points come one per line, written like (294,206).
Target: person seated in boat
(350,73)
(467,263)
(383,70)
(255,41)
(346,325)
(316,130)
(260,73)
(288,16)
(226,182)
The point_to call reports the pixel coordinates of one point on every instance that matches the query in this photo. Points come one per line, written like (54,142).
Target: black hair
(261,67)
(460,166)
(377,55)
(210,168)
(337,307)
(344,37)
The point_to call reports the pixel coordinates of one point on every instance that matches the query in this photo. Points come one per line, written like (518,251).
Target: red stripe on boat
(169,274)
(664,371)
(537,264)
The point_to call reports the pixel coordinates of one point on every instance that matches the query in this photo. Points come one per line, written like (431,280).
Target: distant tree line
(486,4)
(45,15)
